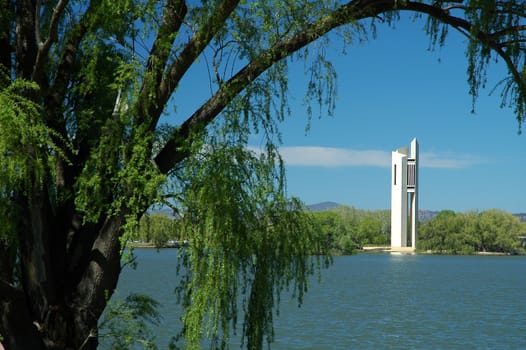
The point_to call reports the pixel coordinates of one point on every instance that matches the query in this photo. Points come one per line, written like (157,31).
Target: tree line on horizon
(157,230)
(472,232)
(346,230)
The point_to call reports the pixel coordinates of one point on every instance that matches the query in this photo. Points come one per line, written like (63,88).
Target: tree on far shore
(492,230)
(84,86)
(157,229)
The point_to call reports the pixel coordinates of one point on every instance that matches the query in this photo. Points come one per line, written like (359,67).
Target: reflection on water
(379,301)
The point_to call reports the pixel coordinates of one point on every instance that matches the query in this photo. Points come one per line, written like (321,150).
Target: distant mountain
(521,216)
(323,206)
(423,215)
(426,215)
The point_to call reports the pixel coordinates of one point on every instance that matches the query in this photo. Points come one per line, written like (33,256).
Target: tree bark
(15,320)
(37,317)
(6,48)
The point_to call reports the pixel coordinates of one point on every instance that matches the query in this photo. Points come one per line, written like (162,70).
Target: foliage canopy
(83,152)
(492,231)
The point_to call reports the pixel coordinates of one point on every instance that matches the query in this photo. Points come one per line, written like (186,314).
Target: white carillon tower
(404,196)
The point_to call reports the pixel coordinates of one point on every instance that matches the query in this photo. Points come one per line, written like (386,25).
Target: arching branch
(172,152)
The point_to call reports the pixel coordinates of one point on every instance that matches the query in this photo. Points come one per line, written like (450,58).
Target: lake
(378,301)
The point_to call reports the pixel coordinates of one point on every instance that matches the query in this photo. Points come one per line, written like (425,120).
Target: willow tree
(83,86)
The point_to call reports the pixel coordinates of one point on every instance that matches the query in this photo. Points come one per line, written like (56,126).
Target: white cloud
(339,157)
(450,161)
(333,157)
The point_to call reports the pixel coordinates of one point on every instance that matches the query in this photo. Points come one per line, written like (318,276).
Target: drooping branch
(491,40)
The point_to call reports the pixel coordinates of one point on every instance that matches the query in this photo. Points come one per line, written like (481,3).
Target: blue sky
(390,90)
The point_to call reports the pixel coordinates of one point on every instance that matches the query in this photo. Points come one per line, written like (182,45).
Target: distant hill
(426,215)
(423,215)
(323,206)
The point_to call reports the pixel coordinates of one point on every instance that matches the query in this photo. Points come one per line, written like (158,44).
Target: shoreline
(149,245)
(365,250)
(411,251)
(388,249)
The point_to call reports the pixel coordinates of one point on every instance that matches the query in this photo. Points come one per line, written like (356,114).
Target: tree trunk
(65,328)
(58,301)
(15,321)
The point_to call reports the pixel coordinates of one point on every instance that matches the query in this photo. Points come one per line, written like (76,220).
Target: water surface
(378,301)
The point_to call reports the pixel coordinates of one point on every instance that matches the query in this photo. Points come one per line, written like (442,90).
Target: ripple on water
(380,301)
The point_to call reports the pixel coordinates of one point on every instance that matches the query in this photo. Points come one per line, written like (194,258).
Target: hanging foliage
(248,243)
